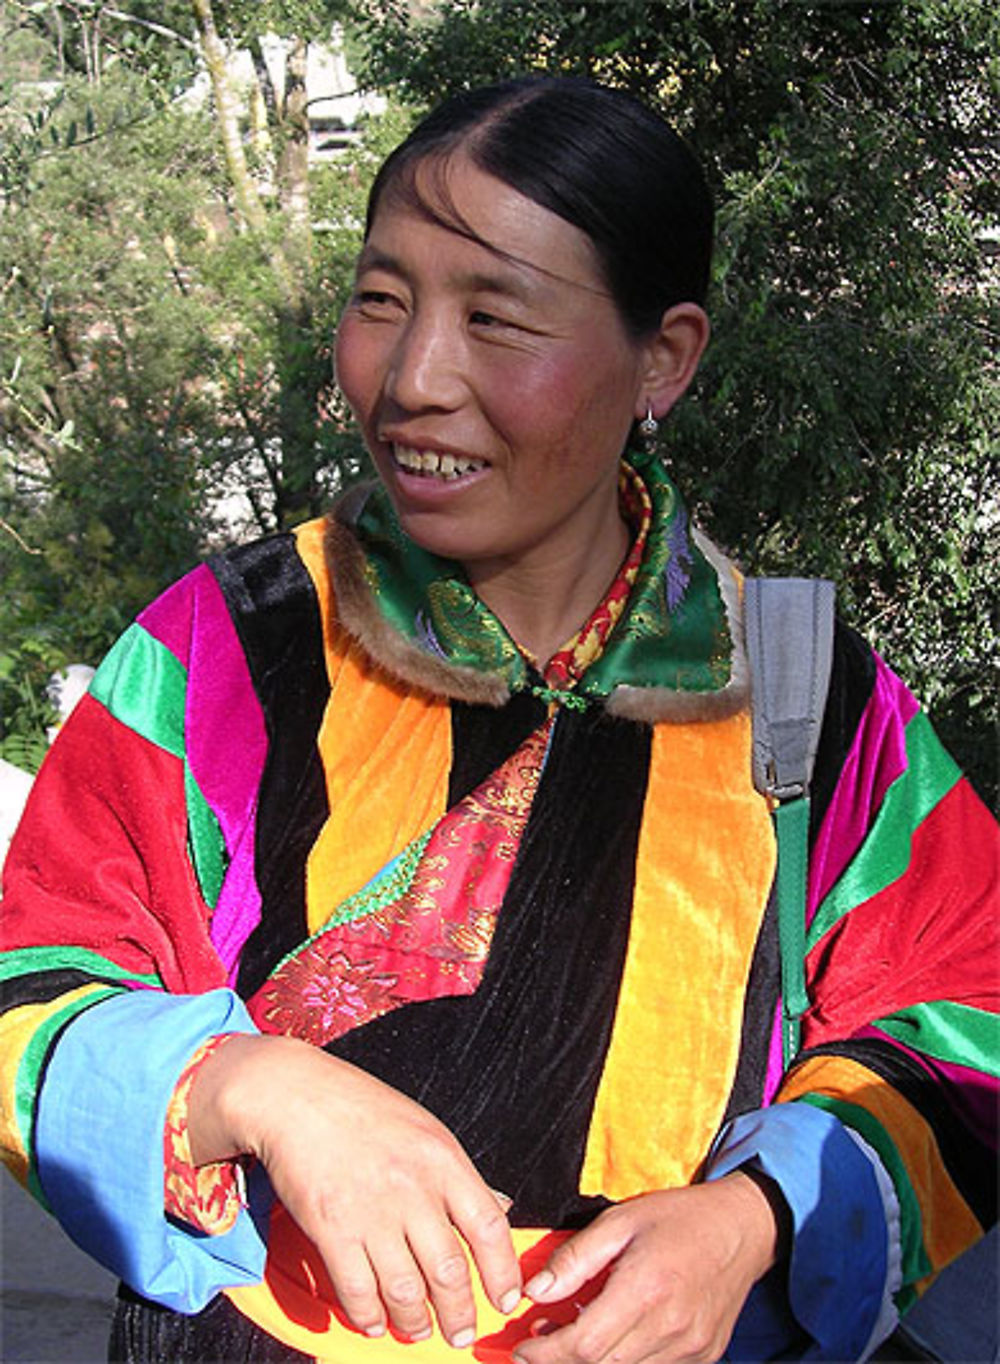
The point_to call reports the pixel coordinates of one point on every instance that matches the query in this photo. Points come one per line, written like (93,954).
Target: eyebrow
(509,284)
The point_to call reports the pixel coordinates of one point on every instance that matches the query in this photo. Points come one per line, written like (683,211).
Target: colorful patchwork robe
(316,789)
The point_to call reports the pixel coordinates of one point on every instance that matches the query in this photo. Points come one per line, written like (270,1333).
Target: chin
(433,534)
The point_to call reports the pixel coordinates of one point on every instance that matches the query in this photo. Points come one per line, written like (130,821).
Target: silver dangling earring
(649,429)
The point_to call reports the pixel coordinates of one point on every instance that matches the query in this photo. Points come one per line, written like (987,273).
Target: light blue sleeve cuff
(99,1145)
(836,1303)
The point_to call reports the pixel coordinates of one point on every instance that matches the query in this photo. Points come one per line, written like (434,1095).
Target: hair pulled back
(594,156)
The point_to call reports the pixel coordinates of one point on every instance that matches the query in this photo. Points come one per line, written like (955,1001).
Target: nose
(426,369)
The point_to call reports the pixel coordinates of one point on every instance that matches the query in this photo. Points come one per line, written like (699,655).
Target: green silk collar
(673,632)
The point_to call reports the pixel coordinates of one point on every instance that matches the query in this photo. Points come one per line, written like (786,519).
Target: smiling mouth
(432,464)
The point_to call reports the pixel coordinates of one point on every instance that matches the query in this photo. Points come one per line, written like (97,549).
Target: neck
(543,600)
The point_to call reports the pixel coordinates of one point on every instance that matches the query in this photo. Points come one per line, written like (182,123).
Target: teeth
(430,463)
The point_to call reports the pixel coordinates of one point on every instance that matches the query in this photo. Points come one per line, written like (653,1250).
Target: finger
(401,1285)
(505,1202)
(483,1224)
(591,1339)
(628,1323)
(582,1258)
(356,1287)
(448,1280)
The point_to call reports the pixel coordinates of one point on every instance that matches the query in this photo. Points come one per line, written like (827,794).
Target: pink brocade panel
(429,941)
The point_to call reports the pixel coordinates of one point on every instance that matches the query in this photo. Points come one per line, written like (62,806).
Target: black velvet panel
(852,679)
(513,1069)
(273,605)
(971,1165)
(479,748)
(42,986)
(143,1333)
(759,1004)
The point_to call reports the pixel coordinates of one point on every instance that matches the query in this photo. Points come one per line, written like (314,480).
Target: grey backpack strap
(788,624)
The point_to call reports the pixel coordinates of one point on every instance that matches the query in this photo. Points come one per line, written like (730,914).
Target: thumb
(579,1260)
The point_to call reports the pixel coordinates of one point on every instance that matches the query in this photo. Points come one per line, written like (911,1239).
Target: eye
(486,321)
(376,302)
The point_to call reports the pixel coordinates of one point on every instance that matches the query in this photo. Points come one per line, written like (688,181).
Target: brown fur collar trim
(358,614)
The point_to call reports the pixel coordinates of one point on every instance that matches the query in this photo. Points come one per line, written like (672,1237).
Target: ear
(672,357)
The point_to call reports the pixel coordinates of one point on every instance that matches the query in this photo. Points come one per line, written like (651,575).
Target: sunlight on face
(495,387)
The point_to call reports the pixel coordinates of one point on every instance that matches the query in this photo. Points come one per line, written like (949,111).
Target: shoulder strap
(789,642)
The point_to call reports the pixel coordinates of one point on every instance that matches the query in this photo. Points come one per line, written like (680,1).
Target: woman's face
(495,391)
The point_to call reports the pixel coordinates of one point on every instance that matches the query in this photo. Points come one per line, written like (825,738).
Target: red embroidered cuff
(207,1197)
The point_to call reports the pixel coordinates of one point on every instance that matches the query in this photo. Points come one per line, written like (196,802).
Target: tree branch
(98,8)
(28,549)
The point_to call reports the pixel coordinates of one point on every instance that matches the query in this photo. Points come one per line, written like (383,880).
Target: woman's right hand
(379,1185)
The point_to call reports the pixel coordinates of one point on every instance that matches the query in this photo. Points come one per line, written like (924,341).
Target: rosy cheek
(353,366)
(533,389)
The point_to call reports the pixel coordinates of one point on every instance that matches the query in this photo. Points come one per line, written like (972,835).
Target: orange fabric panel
(948,1225)
(373,815)
(705,863)
(296,1304)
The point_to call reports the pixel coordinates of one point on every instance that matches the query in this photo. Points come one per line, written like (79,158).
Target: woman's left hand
(680,1264)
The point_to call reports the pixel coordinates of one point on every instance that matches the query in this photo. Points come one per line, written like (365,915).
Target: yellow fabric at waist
(295,1303)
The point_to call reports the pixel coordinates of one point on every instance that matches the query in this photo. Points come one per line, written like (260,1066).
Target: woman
(416,857)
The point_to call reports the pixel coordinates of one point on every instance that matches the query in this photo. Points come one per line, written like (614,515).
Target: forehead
(471,216)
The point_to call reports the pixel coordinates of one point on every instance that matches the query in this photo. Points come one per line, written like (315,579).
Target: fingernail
(505,1202)
(374,1331)
(540,1284)
(461,1340)
(424,1333)
(509,1301)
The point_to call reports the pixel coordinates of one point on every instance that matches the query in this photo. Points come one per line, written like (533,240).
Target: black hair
(595,156)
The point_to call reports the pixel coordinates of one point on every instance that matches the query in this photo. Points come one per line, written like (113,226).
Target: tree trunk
(227,113)
(293,167)
(300,373)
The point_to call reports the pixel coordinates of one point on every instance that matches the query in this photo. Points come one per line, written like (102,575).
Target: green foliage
(159,387)
(844,420)
(25,710)
(102,470)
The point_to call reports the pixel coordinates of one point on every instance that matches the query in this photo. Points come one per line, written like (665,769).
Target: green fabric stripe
(385,888)
(916,1263)
(143,685)
(206,845)
(29,1072)
(26,961)
(885,854)
(950,1032)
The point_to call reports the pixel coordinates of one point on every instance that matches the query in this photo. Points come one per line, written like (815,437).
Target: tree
(844,420)
(166,315)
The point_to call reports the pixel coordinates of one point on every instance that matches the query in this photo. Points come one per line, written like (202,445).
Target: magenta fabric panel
(226,740)
(877,757)
(775,1060)
(237,910)
(168,618)
(192,620)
